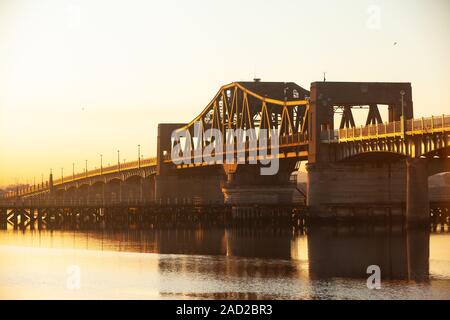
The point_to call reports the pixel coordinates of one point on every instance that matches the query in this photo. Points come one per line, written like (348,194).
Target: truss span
(256,105)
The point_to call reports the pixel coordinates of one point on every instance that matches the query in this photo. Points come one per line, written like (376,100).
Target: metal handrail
(71,202)
(431,124)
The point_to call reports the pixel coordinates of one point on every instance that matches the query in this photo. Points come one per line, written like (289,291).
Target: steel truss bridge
(303,121)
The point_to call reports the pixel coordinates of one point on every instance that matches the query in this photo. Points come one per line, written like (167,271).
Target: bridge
(127,182)
(249,128)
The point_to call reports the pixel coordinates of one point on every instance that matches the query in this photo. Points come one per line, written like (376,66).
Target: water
(223,263)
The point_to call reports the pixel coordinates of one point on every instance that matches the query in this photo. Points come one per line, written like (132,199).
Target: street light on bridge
(86,169)
(139,156)
(402,118)
(118,159)
(101,164)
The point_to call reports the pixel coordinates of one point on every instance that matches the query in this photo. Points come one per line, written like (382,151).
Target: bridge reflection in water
(340,250)
(231,262)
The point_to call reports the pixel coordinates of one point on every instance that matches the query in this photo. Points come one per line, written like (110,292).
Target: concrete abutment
(354,183)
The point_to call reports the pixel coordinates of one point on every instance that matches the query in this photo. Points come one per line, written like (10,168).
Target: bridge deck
(110,170)
(294,145)
(394,129)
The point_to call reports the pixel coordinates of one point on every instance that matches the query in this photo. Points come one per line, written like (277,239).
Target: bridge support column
(103,193)
(148,187)
(417,201)
(120,191)
(346,184)
(3,218)
(246,186)
(418,250)
(88,194)
(76,195)
(195,185)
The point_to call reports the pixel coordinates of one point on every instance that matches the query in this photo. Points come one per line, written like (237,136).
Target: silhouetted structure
(382,165)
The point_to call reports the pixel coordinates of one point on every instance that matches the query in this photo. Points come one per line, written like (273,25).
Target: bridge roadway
(379,162)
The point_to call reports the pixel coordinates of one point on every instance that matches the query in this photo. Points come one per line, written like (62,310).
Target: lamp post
(402,118)
(86,168)
(101,173)
(62,175)
(118,159)
(139,156)
(73,171)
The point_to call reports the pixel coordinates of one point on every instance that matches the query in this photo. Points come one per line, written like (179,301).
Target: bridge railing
(39,188)
(432,123)
(99,203)
(72,202)
(107,170)
(388,129)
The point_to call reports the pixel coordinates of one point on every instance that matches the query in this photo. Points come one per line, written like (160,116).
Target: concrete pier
(195,186)
(245,184)
(354,183)
(417,201)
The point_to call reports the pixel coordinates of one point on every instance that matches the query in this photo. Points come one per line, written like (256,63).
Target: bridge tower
(376,178)
(327,96)
(201,185)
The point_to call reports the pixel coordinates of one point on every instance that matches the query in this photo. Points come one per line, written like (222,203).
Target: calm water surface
(228,263)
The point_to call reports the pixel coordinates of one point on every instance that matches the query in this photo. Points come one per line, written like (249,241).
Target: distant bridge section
(123,182)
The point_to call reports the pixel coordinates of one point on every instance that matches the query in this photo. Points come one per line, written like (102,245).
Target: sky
(80,78)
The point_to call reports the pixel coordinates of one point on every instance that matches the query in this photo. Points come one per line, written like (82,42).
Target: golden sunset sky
(84,77)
